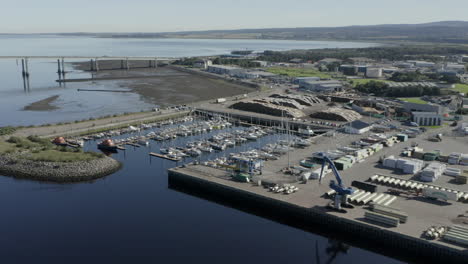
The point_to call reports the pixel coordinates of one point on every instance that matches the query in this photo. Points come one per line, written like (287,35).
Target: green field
(415,100)
(298,72)
(462,88)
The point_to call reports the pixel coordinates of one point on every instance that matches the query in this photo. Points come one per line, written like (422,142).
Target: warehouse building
(357,127)
(224,69)
(414,107)
(427,118)
(254,74)
(203,64)
(301,80)
(322,86)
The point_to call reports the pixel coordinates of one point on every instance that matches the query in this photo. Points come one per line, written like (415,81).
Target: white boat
(166,150)
(279,149)
(306,131)
(143,142)
(194,152)
(251,136)
(265,155)
(218,146)
(206,149)
(302,142)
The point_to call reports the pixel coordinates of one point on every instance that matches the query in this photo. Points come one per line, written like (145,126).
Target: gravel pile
(13,166)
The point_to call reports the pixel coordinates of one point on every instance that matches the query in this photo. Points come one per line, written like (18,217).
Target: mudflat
(165,86)
(43,105)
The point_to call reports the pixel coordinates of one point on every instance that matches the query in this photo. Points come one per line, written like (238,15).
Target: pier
(163,156)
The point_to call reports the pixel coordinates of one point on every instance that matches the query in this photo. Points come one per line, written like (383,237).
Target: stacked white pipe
(432,172)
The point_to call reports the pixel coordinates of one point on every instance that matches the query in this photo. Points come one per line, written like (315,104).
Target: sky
(52,16)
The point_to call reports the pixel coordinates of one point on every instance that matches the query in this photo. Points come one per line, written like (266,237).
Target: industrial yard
(422,212)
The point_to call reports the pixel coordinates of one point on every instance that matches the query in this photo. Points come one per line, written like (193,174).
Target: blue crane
(341,191)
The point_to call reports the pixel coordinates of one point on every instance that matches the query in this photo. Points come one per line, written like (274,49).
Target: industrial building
(357,127)
(457,68)
(349,70)
(300,80)
(224,69)
(426,64)
(373,72)
(254,74)
(427,118)
(322,86)
(203,64)
(465,103)
(414,107)
(327,61)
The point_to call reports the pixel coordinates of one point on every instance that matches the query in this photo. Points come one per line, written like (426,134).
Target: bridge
(94,61)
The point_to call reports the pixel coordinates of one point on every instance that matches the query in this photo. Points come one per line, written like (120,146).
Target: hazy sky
(23,16)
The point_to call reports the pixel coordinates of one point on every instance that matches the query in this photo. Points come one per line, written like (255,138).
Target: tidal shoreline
(43,105)
(60,172)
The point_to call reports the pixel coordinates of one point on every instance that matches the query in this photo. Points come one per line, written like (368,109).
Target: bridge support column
(91,65)
(127,65)
(58,67)
(63,66)
(25,68)
(155,62)
(122,64)
(96,65)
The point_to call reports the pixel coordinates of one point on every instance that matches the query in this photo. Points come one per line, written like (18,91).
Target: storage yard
(412,194)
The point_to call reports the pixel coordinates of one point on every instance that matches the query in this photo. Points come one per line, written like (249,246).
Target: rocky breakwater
(63,172)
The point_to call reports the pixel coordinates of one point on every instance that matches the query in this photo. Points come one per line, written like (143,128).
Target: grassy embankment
(363,81)
(462,88)
(40,149)
(415,100)
(298,72)
(7,130)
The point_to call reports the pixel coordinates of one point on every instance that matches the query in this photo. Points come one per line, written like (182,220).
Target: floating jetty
(163,156)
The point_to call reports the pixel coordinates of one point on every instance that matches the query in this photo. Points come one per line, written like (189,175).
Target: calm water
(78,105)
(132,212)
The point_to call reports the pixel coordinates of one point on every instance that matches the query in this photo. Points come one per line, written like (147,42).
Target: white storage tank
(374,72)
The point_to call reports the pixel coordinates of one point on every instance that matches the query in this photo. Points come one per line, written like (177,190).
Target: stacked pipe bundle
(432,172)
(408,166)
(464,159)
(454,158)
(452,172)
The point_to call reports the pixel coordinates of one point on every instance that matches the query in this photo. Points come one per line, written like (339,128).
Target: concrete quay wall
(380,240)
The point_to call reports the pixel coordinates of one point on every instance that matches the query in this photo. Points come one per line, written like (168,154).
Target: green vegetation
(40,149)
(462,88)
(63,156)
(298,72)
(429,52)
(408,77)
(8,130)
(356,82)
(415,100)
(383,89)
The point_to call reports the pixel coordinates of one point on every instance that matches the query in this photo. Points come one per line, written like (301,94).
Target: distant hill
(444,31)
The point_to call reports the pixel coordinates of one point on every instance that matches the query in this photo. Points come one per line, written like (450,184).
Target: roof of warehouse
(358,124)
